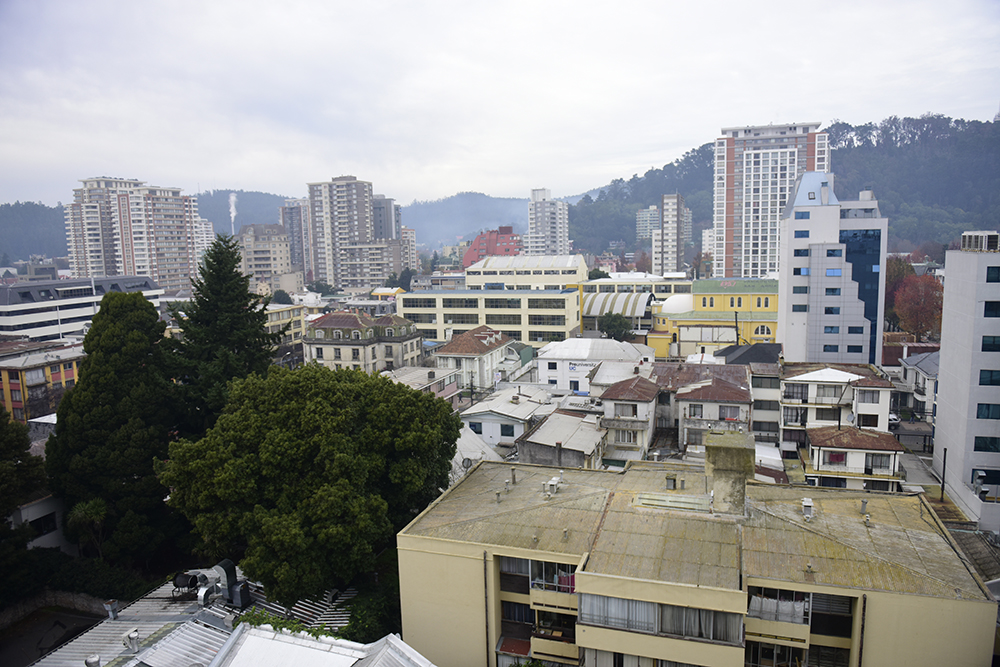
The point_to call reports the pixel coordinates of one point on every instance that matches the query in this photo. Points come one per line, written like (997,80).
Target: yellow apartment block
(716,314)
(683,564)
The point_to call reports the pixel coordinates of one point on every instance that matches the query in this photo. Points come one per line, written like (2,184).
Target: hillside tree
(111,425)
(224,334)
(919,302)
(21,473)
(309,472)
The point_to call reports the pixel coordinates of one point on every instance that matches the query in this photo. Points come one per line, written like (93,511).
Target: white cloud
(428,99)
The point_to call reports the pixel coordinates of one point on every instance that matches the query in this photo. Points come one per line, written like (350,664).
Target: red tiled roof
(633,389)
(850,437)
(719,391)
(673,375)
(342,320)
(479,341)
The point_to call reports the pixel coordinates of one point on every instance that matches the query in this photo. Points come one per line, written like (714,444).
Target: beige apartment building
(266,258)
(681,564)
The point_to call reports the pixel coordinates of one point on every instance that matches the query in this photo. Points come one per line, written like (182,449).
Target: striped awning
(629,304)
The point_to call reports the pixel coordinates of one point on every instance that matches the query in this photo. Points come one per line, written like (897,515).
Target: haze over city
(432,99)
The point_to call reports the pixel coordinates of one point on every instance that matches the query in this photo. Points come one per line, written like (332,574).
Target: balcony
(554,648)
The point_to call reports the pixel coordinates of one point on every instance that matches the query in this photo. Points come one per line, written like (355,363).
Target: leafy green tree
(282,297)
(309,471)
(405,277)
(86,521)
(224,334)
(113,423)
(614,325)
(320,286)
(20,474)
(596,274)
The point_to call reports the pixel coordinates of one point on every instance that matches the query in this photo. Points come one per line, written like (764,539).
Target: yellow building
(631,294)
(34,376)
(716,314)
(674,563)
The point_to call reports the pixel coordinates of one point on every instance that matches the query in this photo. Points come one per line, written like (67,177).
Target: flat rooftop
(633,526)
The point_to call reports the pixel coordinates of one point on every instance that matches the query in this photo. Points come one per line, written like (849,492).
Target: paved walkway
(917,471)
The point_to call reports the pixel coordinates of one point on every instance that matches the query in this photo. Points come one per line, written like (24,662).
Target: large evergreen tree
(20,474)
(113,423)
(224,337)
(309,472)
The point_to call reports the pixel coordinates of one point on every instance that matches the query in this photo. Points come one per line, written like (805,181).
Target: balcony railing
(867,470)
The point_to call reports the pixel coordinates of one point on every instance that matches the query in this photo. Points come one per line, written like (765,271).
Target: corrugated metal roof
(530,262)
(629,304)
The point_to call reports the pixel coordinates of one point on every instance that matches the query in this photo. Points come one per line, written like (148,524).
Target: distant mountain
(252,208)
(454,218)
(29,228)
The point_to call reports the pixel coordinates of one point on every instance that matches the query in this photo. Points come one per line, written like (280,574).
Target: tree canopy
(596,274)
(919,301)
(282,297)
(112,424)
(615,325)
(224,334)
(308,472)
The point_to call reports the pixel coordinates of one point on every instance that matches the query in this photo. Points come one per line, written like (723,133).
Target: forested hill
(30,228)
(934,177)
(463,215)
(252,208)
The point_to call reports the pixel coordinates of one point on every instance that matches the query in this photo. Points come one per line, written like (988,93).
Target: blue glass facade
(862,250)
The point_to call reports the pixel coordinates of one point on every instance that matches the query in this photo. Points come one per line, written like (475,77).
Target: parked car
(893,421)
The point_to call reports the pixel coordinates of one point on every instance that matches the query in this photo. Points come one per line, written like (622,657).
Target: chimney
(92,661)
(513,475)
(807,508)
(559,453)
(729,457)
(824,193)
(864,506)
(430,375)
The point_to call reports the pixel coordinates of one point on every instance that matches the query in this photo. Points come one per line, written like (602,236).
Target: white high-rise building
(755,170)
(671,238)
(297,221)
(646,220)
(410,258)
(341,212)
(830,283)
(121,226)
(548,225)
(967,428)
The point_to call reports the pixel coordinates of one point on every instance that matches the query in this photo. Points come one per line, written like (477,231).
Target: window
(834,458)
(626,409)
(356,335)
(855,330)
(732,301)
(834,252)
(778,605)
(336,353)
(991,343)
(765,405)
(828,391)
(319,353)
(552,365)
(547,320)
(802,215)
(355,354)
(388,350)
(695,411)
(801,252)
(831,310)
(870,421)
(704,302)
(855,349)
(991,309)
(801,233)
(800,271)
(796,391)
(518,612)
(988,411)
(15,395)
(506,430)
(800,308)
(989,377)
(867,396)
(993,274)
(758,302)
(711,302)
(800,289)
(729,412)
(833,291)
(17,413)
(833,272)
(827,414)
(831,348)
(476,427)
(762,330)
(765,382)
(68,367)
(831,330)
(625,437)
(987,444)
(767,302)
(34,376)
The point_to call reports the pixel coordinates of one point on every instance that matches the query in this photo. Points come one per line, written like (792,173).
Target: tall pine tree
(20,474)
(224,337)
(111,425)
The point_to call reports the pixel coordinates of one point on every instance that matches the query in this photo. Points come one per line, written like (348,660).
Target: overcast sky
(426,99)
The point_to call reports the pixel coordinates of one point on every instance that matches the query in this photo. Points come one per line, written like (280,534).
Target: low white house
(566,365)
(478,354)
(630,417)
(851,458)
(506,415)
(711,405)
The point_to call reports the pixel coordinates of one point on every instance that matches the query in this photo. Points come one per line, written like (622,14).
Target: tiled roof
(794,369)
(850,437)
(673,375)
(717,391)
(874,382)
(633,389)
(476,342)
(342,320)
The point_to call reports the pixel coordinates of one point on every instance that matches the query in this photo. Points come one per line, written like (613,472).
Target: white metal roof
(596,349)
(629,304)
(530,262)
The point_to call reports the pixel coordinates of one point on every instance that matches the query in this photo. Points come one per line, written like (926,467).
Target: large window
(626,409)
(503,319)
(476,427)
(503,303)
(991,343)
(775,604)
(664,619)
(461,318)
(763,382)
(546,320)
(794,416)
(989,377)
(765,405)
(729,412)
(991,309)
(506,430)
(984,443)
(993,274)
(695,411)
(796,391)
(988,411)
(624,437)
(867,396)
(419,303)
(553,576)
(552,304)
(834,459)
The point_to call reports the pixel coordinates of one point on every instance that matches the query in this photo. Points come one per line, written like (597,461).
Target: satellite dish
(466,463)
(850,417)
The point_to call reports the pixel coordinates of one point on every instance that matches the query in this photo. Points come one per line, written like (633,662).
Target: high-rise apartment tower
(755,169)
(548,225)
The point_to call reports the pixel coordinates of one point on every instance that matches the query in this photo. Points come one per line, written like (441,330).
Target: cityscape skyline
(448,99)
